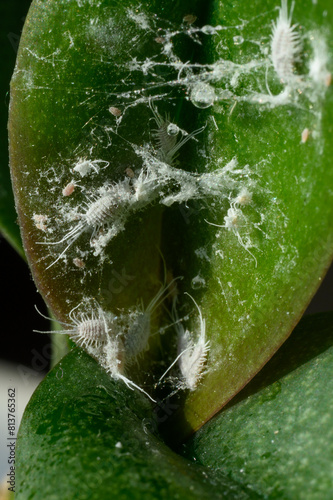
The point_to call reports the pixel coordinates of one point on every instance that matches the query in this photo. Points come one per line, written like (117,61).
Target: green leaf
(13,12)
(86,436)
(250,309)
(277,434)
(82,63)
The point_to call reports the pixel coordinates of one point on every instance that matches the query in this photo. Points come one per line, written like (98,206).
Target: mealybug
(87,330)
(98,213)
(166,136)
(83,167)
(98,334)
(40,221)
(243,198)
(138,332)
(192,353)
(286,44)
(232,223)
(68,189)
(115,111)
(305,135)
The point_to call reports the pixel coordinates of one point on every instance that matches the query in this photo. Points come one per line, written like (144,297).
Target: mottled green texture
(87,437)
(252,282)
(278,433)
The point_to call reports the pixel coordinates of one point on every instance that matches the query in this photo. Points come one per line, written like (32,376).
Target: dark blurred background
(18,292)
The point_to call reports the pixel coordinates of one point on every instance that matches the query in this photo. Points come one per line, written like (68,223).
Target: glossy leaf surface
(88,77)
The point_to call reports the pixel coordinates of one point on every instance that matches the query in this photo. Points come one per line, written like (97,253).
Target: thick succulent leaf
(263,158)
(85,436)
(13,13)
(252,303)
(277,433)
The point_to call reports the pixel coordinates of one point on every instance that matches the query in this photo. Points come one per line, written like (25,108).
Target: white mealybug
(99,213)
(132,339)
(318,71)
(68,189)
(232,222)
(115,111)
(166,136)
(305,135)
(192,354)
(232,219)
(97,332)
(84,167)
(286,44)
(138,332)
(79,263)
(40,221)
(110,358)
(243,198)
(86,329)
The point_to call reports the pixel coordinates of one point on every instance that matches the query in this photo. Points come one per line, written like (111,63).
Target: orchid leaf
(165,148)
